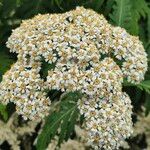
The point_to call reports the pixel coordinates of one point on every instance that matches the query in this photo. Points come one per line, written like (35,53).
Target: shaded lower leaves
(147,104)
(5,62)
(45,68)
(144,85)
(3,112)
(64,119)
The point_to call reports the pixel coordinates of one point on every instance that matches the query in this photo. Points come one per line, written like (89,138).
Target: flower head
(89,55)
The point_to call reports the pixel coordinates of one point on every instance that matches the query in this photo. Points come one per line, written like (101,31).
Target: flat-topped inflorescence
(88,55)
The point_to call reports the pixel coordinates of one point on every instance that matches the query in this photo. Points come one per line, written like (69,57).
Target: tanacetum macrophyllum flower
(89,55)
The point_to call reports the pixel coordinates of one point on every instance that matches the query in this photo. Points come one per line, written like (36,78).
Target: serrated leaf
(122,13)
(139,8)
(144,85)
(127,14)
(64,119)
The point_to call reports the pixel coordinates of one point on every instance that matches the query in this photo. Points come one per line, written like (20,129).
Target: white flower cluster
(102,78)
(108,122)
(90,56)
(25,88)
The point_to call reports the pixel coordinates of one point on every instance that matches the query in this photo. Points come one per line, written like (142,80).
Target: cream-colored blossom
(108,121)
(89,55)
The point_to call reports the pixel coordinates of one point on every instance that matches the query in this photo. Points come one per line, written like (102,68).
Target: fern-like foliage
(121,15)
(127,13)
(64,119)
(139,9)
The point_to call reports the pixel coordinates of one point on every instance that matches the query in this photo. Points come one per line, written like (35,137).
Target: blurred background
(135,18)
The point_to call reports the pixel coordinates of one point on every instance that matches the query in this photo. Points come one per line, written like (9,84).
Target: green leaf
(96,4)
(3,112)
(108,7)
(8,8)
(64,119)
(28,8)
(139,8)
(58,3)
(122,13)
(45,68)
(127,14)
(144,85)
(147,104)
(5,62)
(148,25)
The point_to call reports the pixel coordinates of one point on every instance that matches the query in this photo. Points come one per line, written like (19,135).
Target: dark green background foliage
(133,15)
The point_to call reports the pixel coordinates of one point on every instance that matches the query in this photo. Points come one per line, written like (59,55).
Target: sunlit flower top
(89,55)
